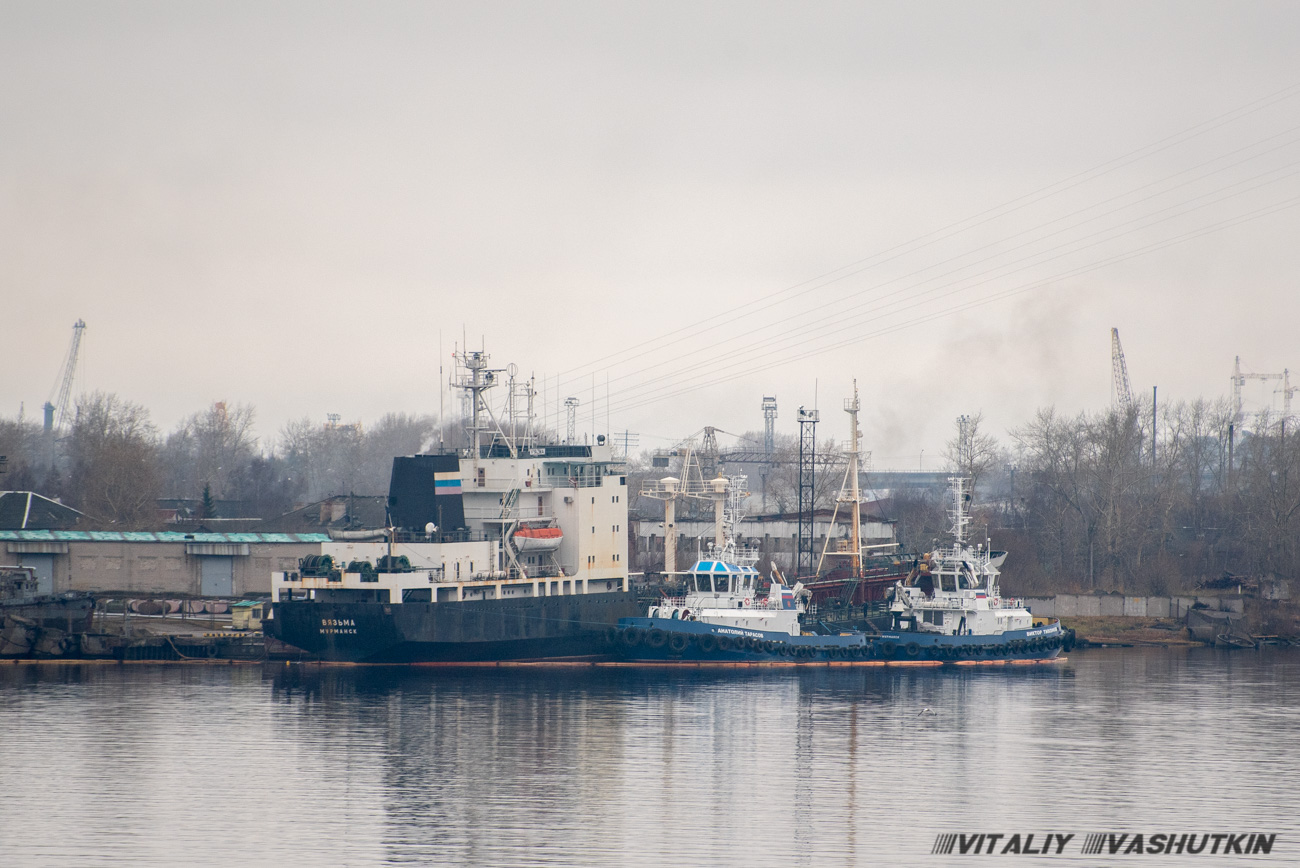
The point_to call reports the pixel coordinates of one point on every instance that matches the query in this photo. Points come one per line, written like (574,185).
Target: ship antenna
(442,418)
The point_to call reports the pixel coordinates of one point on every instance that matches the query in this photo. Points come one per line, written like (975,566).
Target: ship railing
(403,536)
(518,512)
(946,602)
(753,603)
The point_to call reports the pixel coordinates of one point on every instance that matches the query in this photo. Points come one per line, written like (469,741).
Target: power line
(785,322)
(881,308)
(998,296)
(643,348)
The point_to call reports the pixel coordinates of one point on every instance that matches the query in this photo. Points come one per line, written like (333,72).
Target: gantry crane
(1239,379)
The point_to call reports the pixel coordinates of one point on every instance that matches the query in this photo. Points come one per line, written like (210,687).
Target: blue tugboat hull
(662,640)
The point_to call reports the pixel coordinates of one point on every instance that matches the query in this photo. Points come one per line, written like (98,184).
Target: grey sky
(284,204)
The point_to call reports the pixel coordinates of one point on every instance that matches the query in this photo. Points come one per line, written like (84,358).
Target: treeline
(1121,501)
(1115,500)
(114,464)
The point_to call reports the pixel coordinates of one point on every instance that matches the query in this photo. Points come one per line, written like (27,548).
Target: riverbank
(1096,630)
(1260,618)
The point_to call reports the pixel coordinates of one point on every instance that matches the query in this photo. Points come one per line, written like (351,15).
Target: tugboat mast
(960,519)
(854,434)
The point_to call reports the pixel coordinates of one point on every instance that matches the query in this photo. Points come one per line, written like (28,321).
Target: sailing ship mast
(849,493)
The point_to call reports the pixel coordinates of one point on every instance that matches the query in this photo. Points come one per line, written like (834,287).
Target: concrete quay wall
(1120,606)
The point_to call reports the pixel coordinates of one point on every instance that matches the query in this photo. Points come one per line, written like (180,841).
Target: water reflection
(360,766)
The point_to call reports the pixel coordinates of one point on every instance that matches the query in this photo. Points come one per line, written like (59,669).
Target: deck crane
(1121,395)
(699,479)
(56,411)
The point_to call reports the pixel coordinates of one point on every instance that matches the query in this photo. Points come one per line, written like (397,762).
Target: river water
(310,766)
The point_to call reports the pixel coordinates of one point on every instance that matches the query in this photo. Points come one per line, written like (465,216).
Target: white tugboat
(947,611)
(950,604)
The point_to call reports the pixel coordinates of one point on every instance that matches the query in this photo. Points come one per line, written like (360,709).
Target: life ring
(911,649)
(887,649)
(631,637)
(656,638)
(747,602)
(707,644)
(677,643)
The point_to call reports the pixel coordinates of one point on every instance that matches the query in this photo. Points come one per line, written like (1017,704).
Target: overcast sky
(286,204)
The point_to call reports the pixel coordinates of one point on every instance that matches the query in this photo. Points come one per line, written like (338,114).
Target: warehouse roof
(158,536)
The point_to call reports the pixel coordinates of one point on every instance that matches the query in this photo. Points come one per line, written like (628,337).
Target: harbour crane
(1121,394)
(56,410)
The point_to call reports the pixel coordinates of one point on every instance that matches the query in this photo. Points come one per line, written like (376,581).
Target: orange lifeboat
(538,539)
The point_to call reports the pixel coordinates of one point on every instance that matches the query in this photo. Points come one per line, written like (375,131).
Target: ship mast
(854,434)
(849,492)
(959,516)
(474,378)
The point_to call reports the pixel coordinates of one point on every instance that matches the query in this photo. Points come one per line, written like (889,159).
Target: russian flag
(787,598)
(980,595)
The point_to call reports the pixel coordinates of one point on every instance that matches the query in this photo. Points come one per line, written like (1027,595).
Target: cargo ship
(509,549)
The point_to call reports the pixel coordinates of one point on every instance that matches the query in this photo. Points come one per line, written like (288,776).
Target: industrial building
(156,563)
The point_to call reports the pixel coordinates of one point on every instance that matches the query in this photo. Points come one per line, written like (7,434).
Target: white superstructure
(722,589)
(954,590)
(539,519)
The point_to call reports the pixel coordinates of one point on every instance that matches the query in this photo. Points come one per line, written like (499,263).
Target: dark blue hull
(660,640)
(528,628)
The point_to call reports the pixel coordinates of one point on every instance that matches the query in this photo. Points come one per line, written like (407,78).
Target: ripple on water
(297,766)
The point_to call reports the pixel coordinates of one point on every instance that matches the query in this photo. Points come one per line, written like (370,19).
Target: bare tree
(20,444)
(970,453)
(114,475)
(209,448)
(393,435)
(327,458)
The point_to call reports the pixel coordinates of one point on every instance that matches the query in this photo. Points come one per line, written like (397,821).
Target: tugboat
(33,624)
(949,606)
(511,549)
(946,611)
(722,617)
